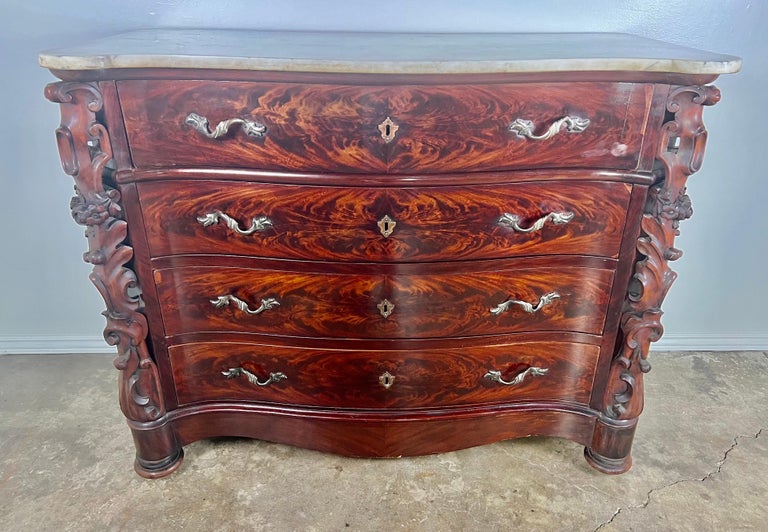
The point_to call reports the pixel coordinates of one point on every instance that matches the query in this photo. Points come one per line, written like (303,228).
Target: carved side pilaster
(680,153)
(85,150)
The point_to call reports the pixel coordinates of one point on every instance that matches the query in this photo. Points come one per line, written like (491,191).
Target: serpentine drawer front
(417,378)
(392,303)
(384,224)
(379,244)
(421,129)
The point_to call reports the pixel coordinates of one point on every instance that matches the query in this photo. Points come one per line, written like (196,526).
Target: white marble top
(387,53)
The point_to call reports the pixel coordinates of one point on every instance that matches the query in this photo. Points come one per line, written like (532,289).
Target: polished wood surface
(324,177)
(335,127)
(426,303)
(272,76)
(350,379)
(431,223)
(380,434)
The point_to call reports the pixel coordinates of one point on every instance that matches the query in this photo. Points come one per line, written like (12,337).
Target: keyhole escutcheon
(388,130)
(386,226)
(386,379)
(386,308)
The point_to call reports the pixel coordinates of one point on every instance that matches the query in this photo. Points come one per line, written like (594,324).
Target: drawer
(341,128)
(397,301)
(368,224)
(536,371)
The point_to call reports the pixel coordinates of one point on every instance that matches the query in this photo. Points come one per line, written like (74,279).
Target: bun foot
(610,466)
(159,468)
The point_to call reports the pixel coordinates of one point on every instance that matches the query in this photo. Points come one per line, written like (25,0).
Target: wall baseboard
(51,345)
(712,342)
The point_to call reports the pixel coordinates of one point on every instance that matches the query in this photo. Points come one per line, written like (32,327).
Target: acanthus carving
(85,151)
(680,152)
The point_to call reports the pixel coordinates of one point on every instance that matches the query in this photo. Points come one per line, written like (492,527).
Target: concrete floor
(700,463)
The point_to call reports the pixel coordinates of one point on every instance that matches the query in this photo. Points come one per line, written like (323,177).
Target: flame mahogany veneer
(357,285)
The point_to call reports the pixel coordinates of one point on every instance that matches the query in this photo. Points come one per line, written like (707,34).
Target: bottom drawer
(224,371)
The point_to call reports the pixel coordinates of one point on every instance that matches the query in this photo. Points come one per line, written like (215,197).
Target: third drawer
(384,224)
(387,301)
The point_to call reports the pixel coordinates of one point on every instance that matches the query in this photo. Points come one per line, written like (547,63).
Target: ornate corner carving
(85,150)
(680,153)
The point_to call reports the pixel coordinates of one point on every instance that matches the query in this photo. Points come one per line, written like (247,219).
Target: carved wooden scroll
(681,150)
(85,150)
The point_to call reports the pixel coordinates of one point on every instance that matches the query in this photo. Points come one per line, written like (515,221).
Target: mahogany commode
(381,244)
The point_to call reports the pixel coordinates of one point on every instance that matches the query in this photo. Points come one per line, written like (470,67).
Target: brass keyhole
(387,380)
(386,226)
(386,308)
(388,129)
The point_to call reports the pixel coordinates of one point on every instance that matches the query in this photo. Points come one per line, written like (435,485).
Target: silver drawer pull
(200,124)
(544,300)
(525,128)
(231,373)
(495,375)
(223,301)
(513,221)
(259,223)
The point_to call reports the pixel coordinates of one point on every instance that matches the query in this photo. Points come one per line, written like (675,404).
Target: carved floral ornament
(680,153)
(85,150)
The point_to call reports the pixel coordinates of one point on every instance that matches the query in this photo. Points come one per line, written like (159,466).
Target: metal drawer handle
(223,301)
(513,221)
(525,128)
(231,373)
(544,300)
(200,124)
(495,375)
(259,223)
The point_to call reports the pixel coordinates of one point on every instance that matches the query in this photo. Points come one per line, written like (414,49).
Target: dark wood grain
(349,379)
(427,304)
(272,76)
(334,223)
(680,154)
(334,127)
(275,177)
(324,176)
(379,268)
(156,340)
(86,151)
(384,434)
(624,270)
(383,344)
(309,127)
(445,128)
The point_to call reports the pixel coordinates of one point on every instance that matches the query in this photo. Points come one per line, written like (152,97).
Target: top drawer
(339,128)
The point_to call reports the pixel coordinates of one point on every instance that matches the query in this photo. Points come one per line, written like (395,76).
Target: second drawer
(389,301)
(387,224)
(407,378)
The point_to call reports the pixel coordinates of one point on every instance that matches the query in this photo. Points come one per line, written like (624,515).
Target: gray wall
(48,304)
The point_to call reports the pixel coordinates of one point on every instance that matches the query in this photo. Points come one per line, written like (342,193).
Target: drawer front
(536,371)
(339,128)
(425,304)
(359,224)
(308,127)
(464,128)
